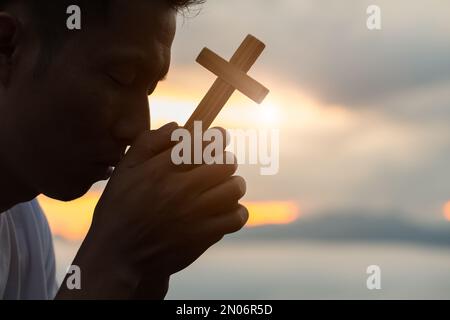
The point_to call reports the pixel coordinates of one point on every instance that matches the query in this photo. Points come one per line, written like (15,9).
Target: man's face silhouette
(69,123)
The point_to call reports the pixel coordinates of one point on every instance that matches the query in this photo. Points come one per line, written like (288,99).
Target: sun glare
(269,113)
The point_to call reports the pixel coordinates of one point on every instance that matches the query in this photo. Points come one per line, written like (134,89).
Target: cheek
(91,110)
(83,111)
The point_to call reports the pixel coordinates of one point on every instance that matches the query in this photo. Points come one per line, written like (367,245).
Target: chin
(68,192)
(71,185)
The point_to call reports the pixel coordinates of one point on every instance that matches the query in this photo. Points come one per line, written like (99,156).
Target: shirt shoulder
(31,273)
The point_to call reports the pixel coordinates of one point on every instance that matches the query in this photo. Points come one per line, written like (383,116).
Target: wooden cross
(232,76)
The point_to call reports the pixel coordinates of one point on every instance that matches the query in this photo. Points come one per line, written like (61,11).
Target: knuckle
(173,190)
(231,161)
(144,142)
(238,219)
(244,214)
(143,138)
(153,172)
(223,131)
(240,187)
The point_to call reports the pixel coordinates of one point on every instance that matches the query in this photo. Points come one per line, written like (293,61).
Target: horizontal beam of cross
(221,91)
(232,75)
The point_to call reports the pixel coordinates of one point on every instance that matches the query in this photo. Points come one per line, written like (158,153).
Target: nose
(133,119)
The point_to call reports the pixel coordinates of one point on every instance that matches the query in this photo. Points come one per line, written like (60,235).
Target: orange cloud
(446,211)
(70,220)
(272,212)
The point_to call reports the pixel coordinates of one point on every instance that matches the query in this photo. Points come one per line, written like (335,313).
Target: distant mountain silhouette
(352,226)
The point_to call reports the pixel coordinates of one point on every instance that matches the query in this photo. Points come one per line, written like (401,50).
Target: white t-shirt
(27,259)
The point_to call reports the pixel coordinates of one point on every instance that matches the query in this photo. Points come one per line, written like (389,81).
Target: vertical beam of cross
(232,76)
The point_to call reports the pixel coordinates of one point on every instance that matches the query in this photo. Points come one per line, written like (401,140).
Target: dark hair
(47,15)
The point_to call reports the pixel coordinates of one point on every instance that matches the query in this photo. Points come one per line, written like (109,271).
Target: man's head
(71,101)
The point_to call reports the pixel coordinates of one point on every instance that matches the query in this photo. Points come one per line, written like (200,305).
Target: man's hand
(155,219)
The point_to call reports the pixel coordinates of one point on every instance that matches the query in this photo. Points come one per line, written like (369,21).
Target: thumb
(148,144)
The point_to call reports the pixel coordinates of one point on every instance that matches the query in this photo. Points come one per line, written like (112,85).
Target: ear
(9,29)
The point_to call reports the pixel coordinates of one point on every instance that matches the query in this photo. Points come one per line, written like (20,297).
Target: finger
(208,150)
(207,176)
(166,158)
(229,222)
(215,132)
(221,198)
(149,144)
(219,137)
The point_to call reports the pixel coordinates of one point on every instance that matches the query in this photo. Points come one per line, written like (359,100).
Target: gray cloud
(325,47)
(402,73)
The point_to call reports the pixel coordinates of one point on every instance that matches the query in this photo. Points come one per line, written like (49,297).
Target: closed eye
(122,75)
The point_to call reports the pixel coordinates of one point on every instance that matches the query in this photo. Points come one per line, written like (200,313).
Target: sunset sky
(363,115)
